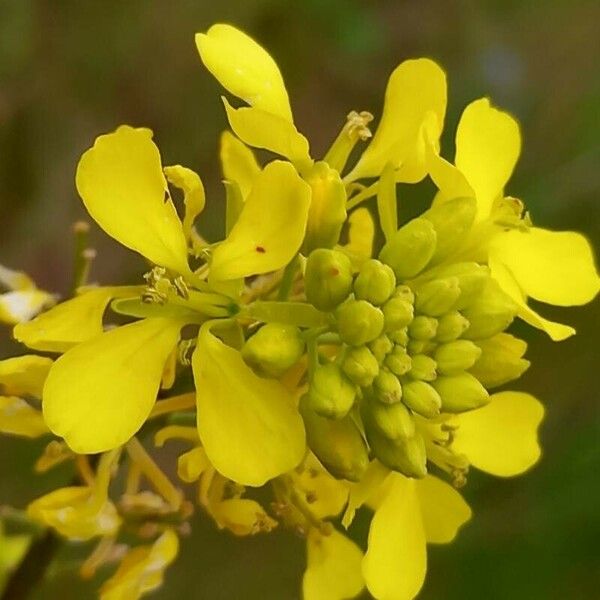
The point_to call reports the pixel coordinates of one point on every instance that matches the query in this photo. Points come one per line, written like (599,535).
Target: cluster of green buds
(412,335)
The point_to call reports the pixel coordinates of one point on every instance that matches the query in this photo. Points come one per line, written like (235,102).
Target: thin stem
(287,281)
(362,196)
(174,404)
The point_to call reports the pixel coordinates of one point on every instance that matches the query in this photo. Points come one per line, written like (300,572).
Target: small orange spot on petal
(260,249)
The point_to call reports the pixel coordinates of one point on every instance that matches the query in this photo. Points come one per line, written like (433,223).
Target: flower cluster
(335,373)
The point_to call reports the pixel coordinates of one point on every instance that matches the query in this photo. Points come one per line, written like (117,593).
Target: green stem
(287,281)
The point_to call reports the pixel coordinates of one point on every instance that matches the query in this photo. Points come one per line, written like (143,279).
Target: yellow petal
(443,509)
(244,68)
(366,490)
(24,375)
(262,129)
(69,323)
(361,233)
(327,495)
(15,280)
(192,464)
(556,267)
(99,393)
(194,198)
(488,144)
(19,418)
(142,569)
(414,89)
(501,438)
(396,560)
(74,513)
(249,426)
(279,202)
(122,185)
(556,331)
(242,516)
(333,567)
(238,163)
(21,306)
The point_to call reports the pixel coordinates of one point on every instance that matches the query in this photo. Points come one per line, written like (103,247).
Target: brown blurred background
(72,69)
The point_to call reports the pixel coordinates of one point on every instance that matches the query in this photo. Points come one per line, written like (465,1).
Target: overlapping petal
(24,375)
(256,244)
(238,163)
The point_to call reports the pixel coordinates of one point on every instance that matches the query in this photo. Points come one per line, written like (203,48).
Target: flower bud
(410,249)
(420,347)
(422,398)
(399,336)
(404,292)
(437,297)
(501,360)
(397,313)
(375,282)
(381,347)
(460,393)
(422,328)
(360,366)
(423,367)
(392,420)
(327,208)
(490,313)
(327,278)
(472,279)
(359,322)
(451,326)
(451,220)
(456,356)
(387,388)
(398,361)
(273,349)
(338,444)
(331,394)
(407,456)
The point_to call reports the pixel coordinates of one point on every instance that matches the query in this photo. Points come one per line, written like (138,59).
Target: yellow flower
(23,300)
(142,569)
(12,549)
(528,262)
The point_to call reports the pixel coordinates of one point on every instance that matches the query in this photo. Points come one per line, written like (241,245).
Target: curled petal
(24,375)
(194,197)
(238,163)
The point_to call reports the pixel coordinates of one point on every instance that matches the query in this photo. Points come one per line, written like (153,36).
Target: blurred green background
(72,69)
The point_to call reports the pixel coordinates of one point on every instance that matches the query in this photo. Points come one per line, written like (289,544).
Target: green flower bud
(327,212)
(404,292)
(381,347)
(338,444)
(273,349)
(460,393)
(397,313)
(420,347)
(490,313)
(399,336)
(451,326)
(501,360)
(327,278)
(456,356)
(387,388)
(375,282)
(331,394)
(359,322)
(423,367)
(410,249)
(360,366)
(421,398)
(437,297)
(451,220)
(407,456)
(422,328)
(398,361)
(394,421)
